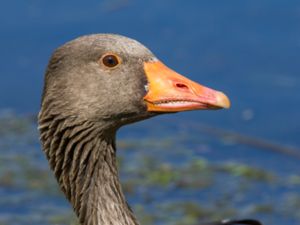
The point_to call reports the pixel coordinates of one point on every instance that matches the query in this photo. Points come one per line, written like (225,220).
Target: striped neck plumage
(83,159)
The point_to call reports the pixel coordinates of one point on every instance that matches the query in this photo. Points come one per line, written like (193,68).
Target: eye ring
(110,60)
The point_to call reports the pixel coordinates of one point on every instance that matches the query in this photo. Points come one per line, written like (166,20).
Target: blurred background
(180,168)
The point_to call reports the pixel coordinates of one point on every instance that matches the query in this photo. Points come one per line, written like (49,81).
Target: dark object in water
(235,222)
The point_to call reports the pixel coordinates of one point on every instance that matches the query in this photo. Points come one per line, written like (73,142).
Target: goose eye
(110,60)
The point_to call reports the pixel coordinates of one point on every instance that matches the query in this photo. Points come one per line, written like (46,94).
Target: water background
(248,49)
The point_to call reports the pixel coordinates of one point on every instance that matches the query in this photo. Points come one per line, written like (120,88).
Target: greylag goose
(94,85)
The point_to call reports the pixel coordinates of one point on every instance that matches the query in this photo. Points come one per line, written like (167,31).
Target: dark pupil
(110,60)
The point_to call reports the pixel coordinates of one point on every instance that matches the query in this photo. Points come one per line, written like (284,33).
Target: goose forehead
(113,43)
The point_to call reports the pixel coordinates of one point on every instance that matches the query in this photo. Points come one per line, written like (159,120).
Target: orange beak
(169,91)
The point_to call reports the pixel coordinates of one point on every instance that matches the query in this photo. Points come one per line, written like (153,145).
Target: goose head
(94,85)
(114,79)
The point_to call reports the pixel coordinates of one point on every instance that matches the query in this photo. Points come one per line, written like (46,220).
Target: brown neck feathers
(83,159)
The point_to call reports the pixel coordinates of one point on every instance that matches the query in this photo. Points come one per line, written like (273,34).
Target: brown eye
(110,60)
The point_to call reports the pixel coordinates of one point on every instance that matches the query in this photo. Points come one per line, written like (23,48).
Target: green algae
(248,172)
(294,180)
(67,218)
(11,124)
(164,175)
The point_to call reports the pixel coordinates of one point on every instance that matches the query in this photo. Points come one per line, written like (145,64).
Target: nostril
(181,86)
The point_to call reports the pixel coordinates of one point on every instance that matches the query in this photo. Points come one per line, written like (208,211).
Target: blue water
(248,49)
